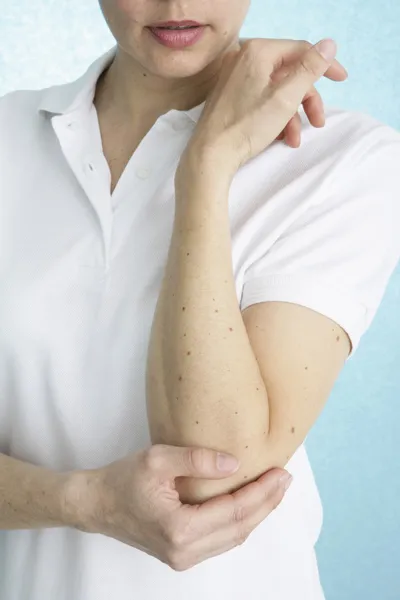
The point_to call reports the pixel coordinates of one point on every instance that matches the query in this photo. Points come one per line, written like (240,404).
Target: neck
(140,97)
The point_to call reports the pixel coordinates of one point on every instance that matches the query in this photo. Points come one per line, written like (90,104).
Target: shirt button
(89,167)
(143,173)
(74,126)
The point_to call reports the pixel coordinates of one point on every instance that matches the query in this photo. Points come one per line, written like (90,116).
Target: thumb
(205,463)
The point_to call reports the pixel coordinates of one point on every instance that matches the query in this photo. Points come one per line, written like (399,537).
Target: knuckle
(283,102)
(238,514)
(252,44)
(177,539)
(175,536)
(167,529)
(179,561)
(153,458)
(272,501)
(311,64)
(176,561)
(195,458)
(241,536)
(254,51)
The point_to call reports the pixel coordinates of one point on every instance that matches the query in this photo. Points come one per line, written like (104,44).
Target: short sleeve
(337,258)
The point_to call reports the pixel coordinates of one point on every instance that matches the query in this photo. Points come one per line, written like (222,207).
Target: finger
(293,131)
(287,52)
(174,461)
(283,134)
(314,108)
(290,92)
(255,517)
(253,504)
(220,512)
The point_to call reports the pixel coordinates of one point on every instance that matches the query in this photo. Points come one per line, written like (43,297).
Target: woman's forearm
(33,497)
(204,386)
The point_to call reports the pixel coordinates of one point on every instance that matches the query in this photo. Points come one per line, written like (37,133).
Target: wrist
(199,164)
(81,500)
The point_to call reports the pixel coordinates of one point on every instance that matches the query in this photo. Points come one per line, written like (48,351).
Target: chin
(178,71)
(171,63)
(177,65)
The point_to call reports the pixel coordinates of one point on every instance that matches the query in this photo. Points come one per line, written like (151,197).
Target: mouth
(177,34)
(175,25)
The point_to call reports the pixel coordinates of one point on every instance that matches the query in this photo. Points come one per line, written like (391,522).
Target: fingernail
(327,48)
(227,463)
(285,481)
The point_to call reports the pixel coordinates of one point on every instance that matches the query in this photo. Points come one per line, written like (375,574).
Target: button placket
(73,126)
(143,172)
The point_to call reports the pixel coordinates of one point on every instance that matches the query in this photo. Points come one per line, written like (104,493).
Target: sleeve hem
(331,300)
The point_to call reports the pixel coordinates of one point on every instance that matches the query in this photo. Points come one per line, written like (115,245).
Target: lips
(162,24)
(182,28)
(177,38)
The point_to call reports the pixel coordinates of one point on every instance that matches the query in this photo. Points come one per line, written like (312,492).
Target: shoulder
(355,159)
(19,103)
(20,112)
(326,226)
(348,138)
(21,121)
(347,127)
(326,155)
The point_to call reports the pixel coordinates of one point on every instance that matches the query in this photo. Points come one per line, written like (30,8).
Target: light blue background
(354,445)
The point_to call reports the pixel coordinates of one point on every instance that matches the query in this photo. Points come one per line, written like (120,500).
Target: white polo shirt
(80,273)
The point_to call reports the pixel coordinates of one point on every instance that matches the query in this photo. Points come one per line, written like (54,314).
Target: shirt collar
(68,97)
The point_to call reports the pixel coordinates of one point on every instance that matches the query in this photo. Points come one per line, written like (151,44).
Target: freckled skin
(338,338)
(293,430)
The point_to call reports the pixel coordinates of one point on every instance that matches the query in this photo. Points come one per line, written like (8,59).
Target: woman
(126,280)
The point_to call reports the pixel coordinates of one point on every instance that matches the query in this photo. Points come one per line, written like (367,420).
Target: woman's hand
(135,500)
(255,101)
